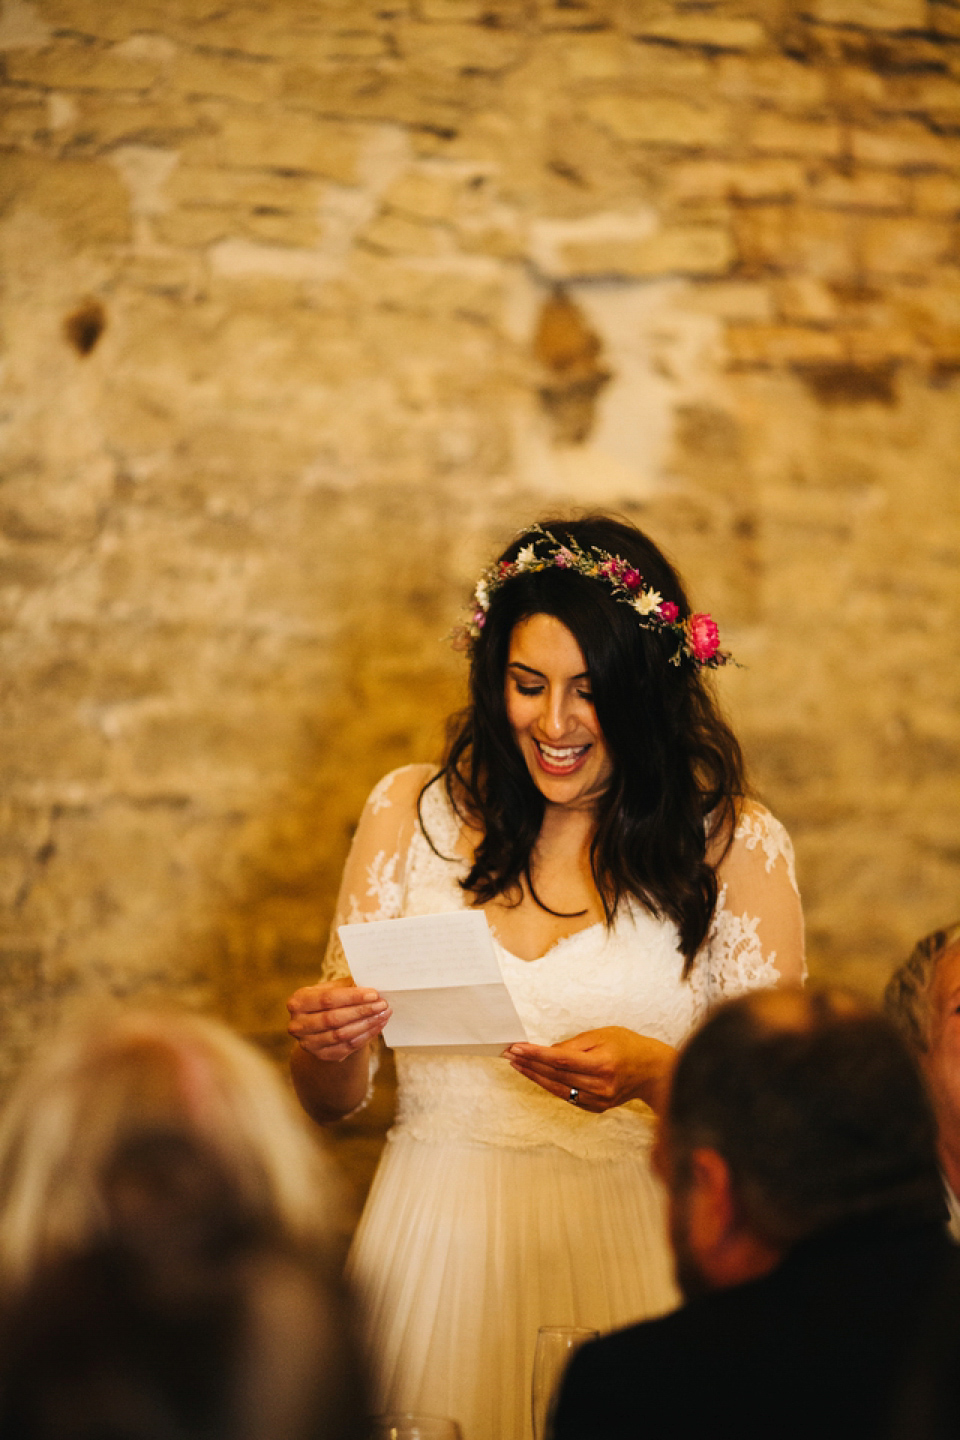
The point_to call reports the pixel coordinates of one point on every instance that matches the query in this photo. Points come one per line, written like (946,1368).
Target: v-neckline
(535,959)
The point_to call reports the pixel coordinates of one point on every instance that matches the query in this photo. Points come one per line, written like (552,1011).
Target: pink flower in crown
(479,619)
(563,559)
(704,637)
(668,612)
(610,568)
(631,580)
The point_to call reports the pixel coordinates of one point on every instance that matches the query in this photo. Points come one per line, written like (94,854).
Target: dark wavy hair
(677,767)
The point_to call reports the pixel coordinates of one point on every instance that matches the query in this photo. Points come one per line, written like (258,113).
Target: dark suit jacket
(815,1349)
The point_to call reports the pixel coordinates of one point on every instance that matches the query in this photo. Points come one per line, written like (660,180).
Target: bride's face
(551,714)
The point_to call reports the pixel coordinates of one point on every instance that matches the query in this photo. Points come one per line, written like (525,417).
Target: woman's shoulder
(399,789)
(759,837)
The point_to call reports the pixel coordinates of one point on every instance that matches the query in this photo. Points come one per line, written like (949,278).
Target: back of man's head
(816,1106)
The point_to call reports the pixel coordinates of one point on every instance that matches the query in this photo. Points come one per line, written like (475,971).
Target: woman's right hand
(332,1021)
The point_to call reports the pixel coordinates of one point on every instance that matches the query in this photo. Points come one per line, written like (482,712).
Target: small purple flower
(632,580)
(668,612)
(479,619)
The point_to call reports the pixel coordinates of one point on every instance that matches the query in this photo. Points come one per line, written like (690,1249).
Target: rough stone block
(460,47)
(397,235)
(713,32)
(944,19)
(795,137)
(201,185)
(594,57)
(659,120)
(503,12)
(869,345)
(904,146)
(731,300)
(101,18)
(825,242)
(872,14)
(674,250)
(371,94)
(103,120)
(86,199)
(429,194)
(905,246)
(226,77)
(805,298)
(763,235)
(80,67)
(857,84)
(936,94)
(26,121)
(258,140)
(584,15)
(699,181)
(761,345)
(937,194)
(862,190)
(785,83)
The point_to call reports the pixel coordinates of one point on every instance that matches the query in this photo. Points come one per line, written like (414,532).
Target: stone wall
(309,303)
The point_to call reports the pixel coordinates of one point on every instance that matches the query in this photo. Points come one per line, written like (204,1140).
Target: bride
(592,803)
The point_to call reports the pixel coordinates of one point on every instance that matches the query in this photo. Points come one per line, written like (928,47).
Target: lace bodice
(630,974)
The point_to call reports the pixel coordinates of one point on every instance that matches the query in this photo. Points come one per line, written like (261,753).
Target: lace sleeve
(756,936)
(372,884)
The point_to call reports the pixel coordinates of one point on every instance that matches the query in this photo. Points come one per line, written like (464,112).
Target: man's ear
(726,1249)
(712,1211)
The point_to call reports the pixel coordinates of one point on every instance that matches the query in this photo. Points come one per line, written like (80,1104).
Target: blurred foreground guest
(113,1073)
(923,1000)
(191,1316)
(806,1219)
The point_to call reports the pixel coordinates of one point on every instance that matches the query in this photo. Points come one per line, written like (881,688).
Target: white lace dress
(496,1207)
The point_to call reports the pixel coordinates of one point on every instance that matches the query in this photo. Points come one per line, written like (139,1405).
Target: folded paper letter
(441,977)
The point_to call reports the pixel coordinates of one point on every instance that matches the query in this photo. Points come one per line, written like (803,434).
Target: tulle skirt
(463,1251)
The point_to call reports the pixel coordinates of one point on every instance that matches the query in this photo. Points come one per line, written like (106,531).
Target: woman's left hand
(603,1068)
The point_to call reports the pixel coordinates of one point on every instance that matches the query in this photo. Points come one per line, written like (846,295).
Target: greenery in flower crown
(698,638)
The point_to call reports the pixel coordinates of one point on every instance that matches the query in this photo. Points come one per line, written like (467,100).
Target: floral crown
(697,637)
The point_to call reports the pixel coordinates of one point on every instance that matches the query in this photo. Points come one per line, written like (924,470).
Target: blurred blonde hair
(111,1073)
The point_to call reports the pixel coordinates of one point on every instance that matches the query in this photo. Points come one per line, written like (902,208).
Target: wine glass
(406,1426)
(555,1347)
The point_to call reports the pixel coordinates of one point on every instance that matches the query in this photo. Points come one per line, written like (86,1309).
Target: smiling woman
(592,804)
(551,714)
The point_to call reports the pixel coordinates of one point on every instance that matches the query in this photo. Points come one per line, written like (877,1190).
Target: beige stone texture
(272,395)
(225,77)
(905,246)
(767,345)
(473,48)
(776,80)
(944,18)
(875,14)
(85,199)
(937,195)
(675,250)
(699,181)
(659,120)
(715,32)
(865,190)
(903,145)
(784,136)
(81,67)
(268,141)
